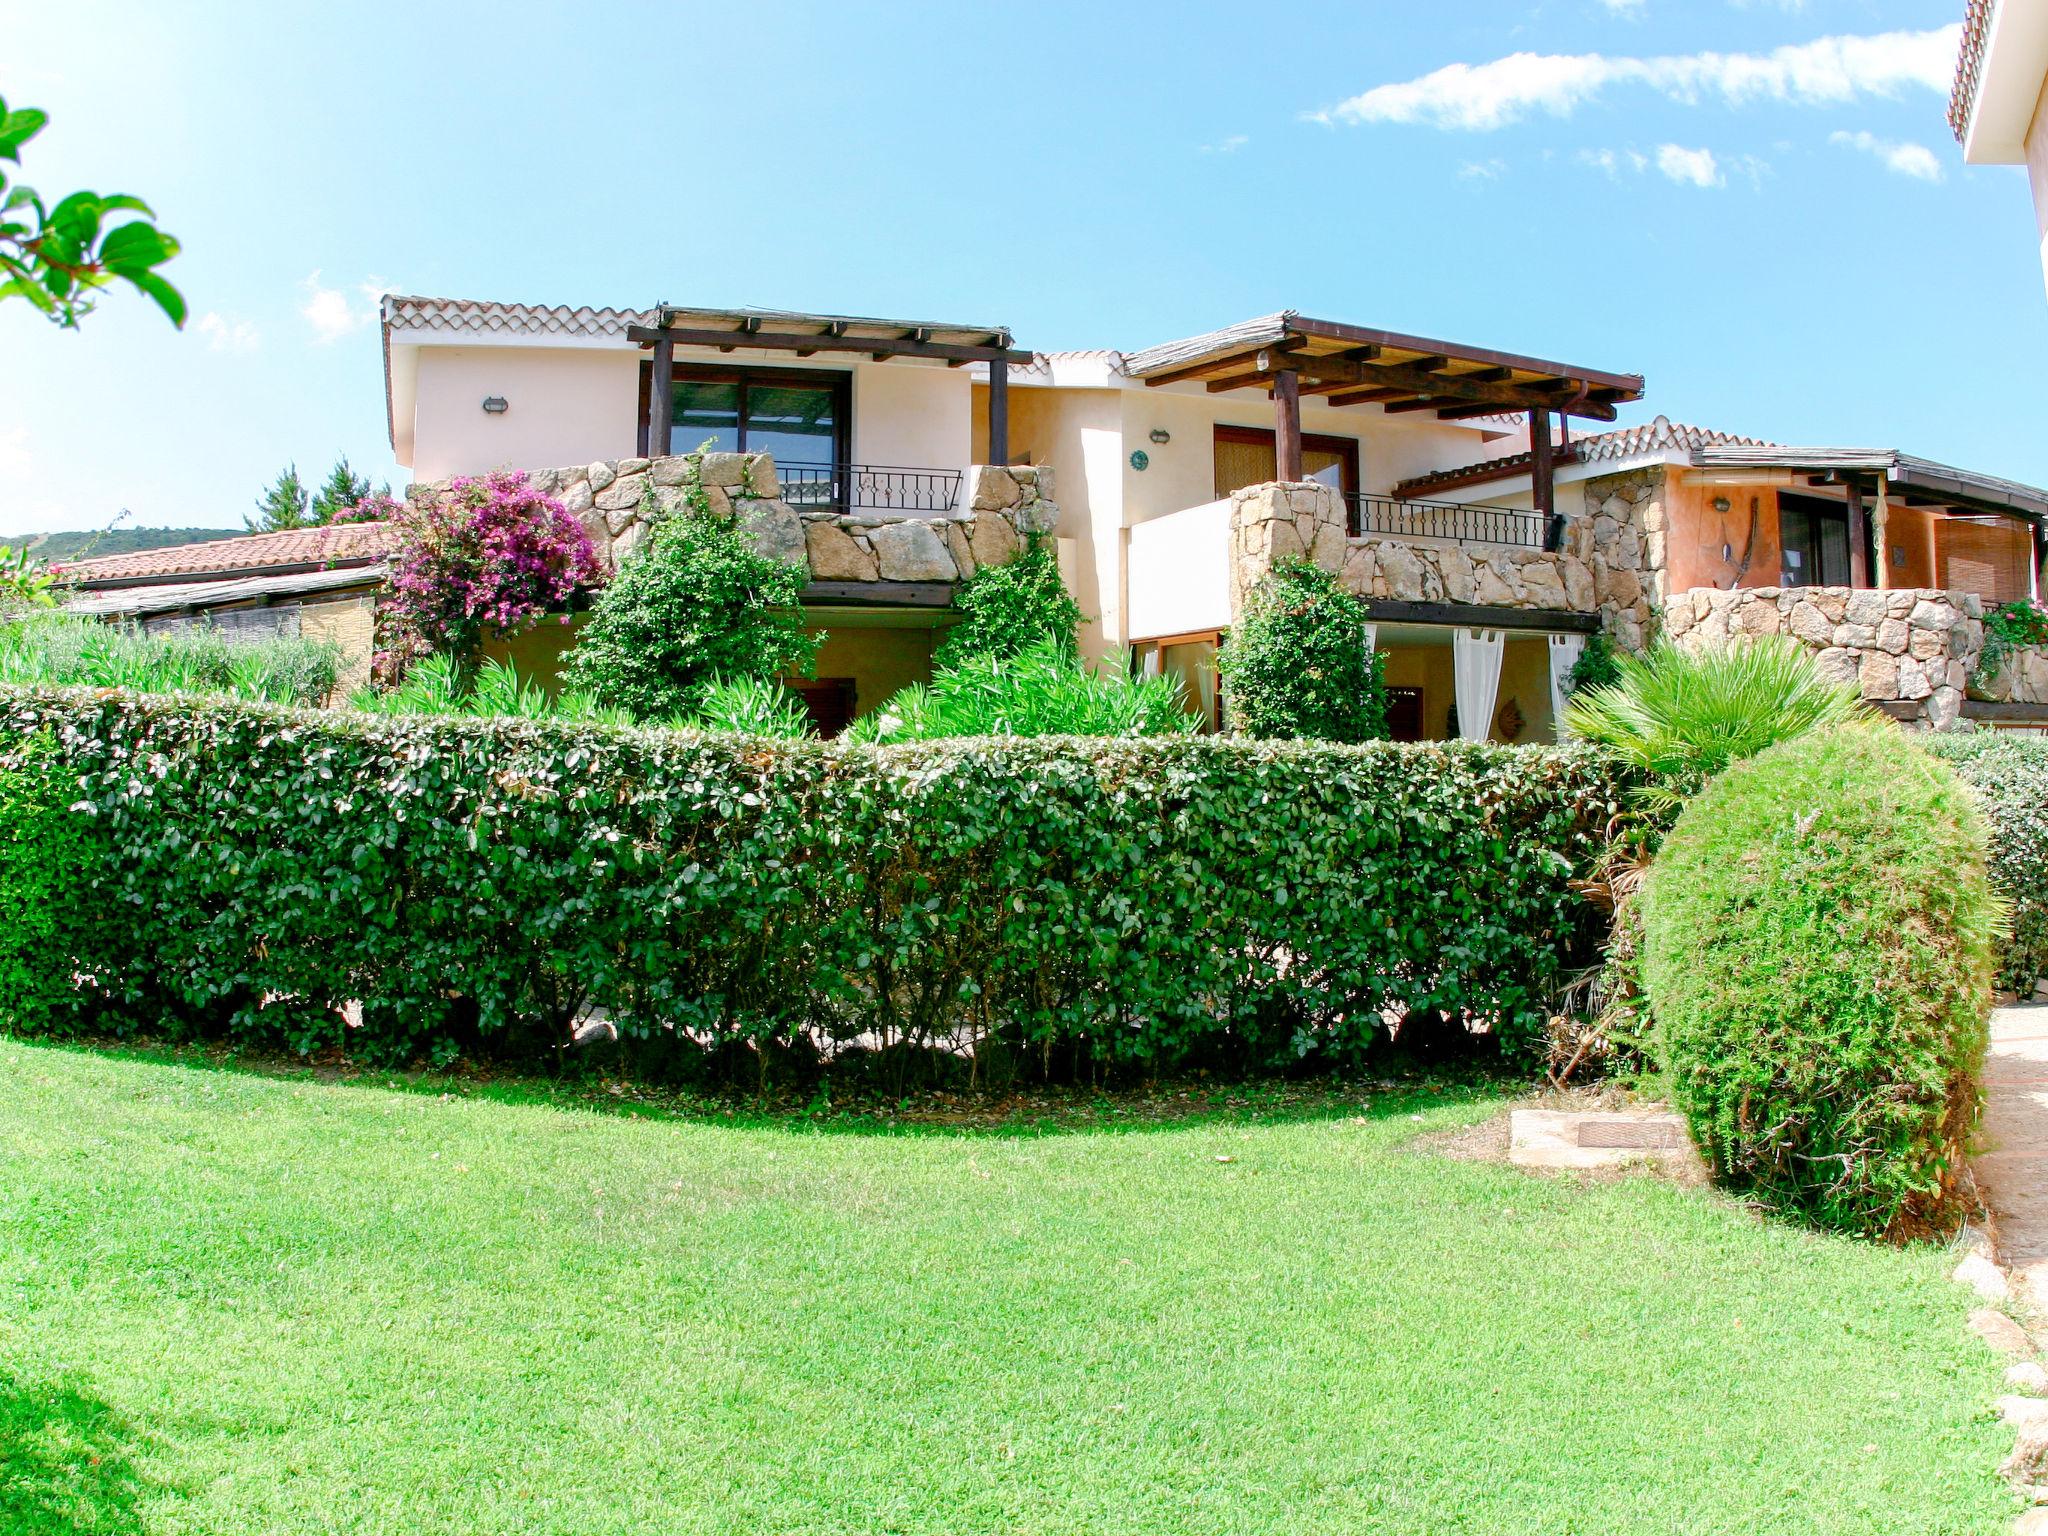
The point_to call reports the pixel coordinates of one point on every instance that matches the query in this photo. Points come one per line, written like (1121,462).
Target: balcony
(883,490)
(1461,522)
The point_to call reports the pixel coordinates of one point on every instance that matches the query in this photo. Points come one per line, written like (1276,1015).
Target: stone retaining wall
(2022,678)
(616,498)
(1916,647)
(1598,571)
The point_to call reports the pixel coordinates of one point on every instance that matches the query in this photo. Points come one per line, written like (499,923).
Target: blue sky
(1756,205)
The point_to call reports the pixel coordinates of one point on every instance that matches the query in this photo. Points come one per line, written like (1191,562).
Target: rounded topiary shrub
(1817,954)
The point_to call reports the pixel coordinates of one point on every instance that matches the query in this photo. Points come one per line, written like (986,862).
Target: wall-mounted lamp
(1721,504)
(494,405)
(1161,435)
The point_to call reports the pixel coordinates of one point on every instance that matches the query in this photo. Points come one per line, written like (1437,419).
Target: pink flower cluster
(490,555)
(377,507)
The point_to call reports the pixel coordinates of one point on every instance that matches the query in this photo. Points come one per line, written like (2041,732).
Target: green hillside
(98,542)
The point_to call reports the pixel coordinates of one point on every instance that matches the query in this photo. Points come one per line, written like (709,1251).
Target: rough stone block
(912,551)
(725,469)
(776,531)
(623,493)
(836,555)
(1552,1138)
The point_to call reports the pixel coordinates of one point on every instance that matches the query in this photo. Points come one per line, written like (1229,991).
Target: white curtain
(1564,653)
(1475,670)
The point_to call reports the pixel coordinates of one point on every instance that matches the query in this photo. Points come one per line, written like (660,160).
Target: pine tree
(283,506)
(344,488)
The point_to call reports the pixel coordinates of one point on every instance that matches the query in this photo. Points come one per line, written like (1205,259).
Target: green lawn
(238,1303)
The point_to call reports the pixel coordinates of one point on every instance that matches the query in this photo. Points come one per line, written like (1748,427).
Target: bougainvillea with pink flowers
(377,507)
(488,556)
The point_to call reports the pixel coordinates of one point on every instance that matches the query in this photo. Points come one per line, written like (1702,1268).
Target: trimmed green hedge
(1818,929)
(2009,776)
(477,883)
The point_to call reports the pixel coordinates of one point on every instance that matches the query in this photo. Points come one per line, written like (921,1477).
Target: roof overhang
(172,596)
(1924,477)
(2010,70)
(1355,365)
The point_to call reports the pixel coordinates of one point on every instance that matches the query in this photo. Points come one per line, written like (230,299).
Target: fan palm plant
(1682,716)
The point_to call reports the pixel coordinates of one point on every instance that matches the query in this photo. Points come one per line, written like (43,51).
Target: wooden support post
(999,412)
(1543,479)
(661,400)
(1287,424)
(1880,535)
(1859,556)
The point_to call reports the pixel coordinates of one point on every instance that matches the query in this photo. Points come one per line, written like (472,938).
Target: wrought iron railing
(847,488)
(1465,522)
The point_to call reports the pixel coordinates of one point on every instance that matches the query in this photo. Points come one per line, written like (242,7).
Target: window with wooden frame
(1192,659)
(1249,456)
(802,416)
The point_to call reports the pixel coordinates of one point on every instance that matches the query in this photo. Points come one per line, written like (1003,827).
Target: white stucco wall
(564,406)
(574,405)
(1179,579)
(1182,473)
(912,416)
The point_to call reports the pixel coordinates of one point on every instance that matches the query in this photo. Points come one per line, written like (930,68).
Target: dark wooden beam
(1368,396)
(1481,616)
(825,341)
(1237,381)
(661,400)
(1543,479)
(1466,412)
(1222,363)
(1287,424)
(1629,384)
(1454,388)
(1859,557)
(999,412)
(877,594)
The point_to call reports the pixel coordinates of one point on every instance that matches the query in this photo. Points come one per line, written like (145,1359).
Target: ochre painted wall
(880,661)
(1696,533)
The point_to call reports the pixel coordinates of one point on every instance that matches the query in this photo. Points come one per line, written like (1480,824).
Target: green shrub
(49,860)
(1818,932)
(475,883)
(1680,717)
(2009,776)
(1296,665)
(435,685)
(55,650)
(1041,691)
(750,706)
(2022,622)
(1596,666)
(696,604)
(1005,609)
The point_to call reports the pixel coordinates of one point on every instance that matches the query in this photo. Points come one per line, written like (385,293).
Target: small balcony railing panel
(881,488)
(1463,522)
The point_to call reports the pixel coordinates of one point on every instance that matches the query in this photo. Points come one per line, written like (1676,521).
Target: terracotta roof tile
(1623,443)
(340,544)
(1962,96)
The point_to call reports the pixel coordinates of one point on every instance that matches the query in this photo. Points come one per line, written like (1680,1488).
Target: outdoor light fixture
(494,405)
(1721,504)
(1161,435)
(1727,551)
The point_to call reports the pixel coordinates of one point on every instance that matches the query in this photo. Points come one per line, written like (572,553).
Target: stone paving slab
(2012,1161)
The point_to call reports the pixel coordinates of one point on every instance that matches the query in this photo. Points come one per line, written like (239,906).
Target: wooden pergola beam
(1210,367)
(879,347)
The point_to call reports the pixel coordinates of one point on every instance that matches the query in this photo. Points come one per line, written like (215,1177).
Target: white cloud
(335,312)
(227,335)
(1689,167)
(1624,7)
(1229,146)
(1907,159)
(1483,170)
(1829,70)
